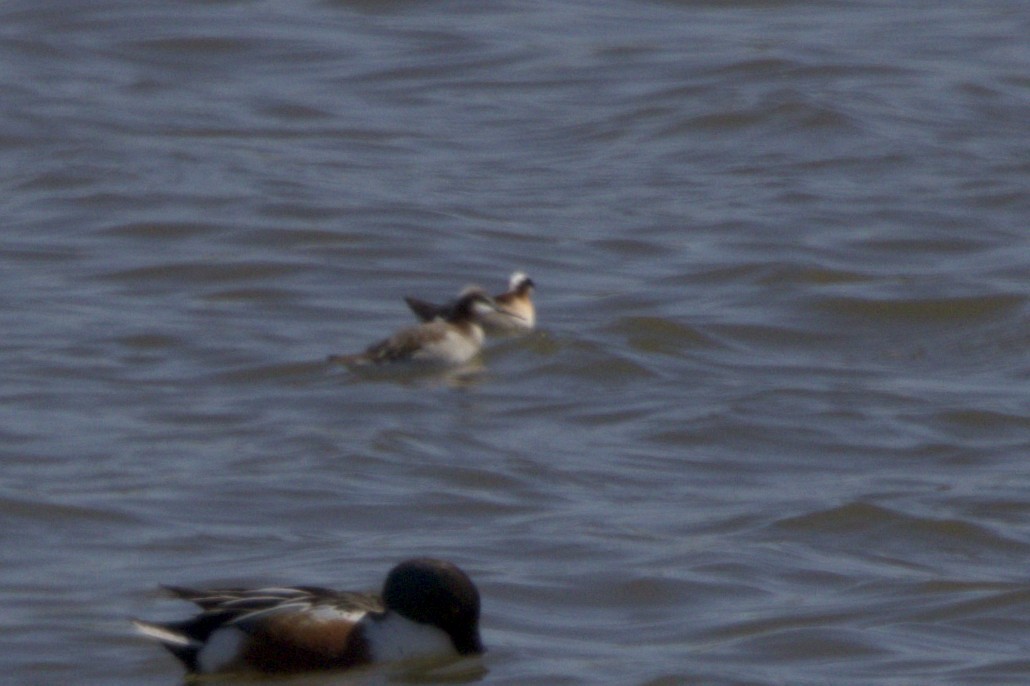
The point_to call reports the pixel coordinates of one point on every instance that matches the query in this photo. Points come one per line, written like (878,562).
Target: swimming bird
(452,339)
(427,608)
(515,312)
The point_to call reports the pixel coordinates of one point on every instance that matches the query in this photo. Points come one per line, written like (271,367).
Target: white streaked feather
(162,634)
(318,612)
(333,613)
(265,612)
(278,591)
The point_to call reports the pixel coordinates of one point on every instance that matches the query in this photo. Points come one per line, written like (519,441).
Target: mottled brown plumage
(452,340)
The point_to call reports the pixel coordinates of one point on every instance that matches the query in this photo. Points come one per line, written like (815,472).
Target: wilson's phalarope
(515,312)
(453,339)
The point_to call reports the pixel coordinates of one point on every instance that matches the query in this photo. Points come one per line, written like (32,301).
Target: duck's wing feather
(239,602)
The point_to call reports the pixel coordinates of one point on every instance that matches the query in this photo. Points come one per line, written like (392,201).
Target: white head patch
(516,280)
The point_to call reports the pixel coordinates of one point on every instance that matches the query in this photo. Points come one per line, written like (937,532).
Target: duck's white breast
(393,637)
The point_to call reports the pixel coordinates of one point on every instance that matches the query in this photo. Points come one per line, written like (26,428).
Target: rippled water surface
(773,427)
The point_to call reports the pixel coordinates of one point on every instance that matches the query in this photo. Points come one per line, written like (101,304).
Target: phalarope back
(452,339)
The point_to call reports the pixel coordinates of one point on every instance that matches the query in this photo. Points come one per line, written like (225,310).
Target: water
(772,430)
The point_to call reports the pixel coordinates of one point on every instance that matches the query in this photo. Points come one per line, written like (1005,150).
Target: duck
(427,608)
(514,313)
(452,339)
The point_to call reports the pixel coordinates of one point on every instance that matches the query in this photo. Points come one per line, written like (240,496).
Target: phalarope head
(514,311)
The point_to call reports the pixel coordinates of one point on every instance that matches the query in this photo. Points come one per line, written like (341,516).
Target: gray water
(773,427)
